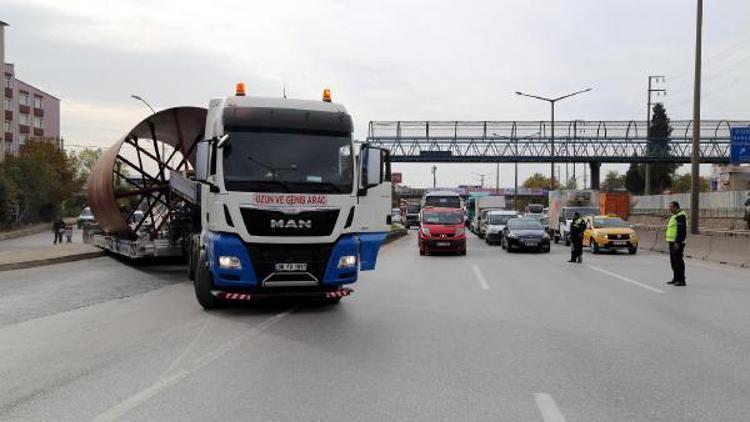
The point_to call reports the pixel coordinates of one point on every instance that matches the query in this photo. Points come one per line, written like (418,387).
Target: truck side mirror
(374,168)
(201,161)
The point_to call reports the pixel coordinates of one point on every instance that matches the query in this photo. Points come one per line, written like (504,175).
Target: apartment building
(29,111)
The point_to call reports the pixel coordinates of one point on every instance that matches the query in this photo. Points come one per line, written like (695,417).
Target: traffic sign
(739,145)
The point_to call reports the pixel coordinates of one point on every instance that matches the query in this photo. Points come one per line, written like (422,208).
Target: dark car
(525,234)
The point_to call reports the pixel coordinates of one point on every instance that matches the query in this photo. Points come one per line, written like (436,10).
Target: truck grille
(276,223)
(265,257)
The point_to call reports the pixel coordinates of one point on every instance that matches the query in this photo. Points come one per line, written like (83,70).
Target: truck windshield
(443,201)
(569,212)
(412,209)
(536,208)
(288,162)
(442,218)
(500,219)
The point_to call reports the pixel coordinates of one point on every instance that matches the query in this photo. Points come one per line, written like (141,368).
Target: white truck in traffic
(282,203)
(483,204)
(564,204)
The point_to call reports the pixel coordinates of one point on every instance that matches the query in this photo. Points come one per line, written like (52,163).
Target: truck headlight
(230,263)
(425,231)
(347,261)
(460,231)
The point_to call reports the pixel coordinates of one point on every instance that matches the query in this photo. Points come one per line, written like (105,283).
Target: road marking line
(480,278)
(187,348)
(548,408)
(618,276)
(120,409)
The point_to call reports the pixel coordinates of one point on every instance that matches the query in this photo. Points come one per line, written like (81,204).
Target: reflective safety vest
(671,235)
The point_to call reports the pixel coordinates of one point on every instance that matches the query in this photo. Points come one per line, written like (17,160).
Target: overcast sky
(384,60)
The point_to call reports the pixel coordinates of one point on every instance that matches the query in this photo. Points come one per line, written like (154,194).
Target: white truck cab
(287,205)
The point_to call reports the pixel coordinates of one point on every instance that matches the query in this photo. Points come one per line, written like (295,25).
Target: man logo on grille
(291,224)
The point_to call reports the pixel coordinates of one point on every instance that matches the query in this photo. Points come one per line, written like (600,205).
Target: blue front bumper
(323,268)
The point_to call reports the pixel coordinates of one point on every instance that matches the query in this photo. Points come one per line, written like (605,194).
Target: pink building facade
(29,113)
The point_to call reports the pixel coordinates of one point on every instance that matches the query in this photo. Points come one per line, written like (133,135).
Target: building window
(8,81)
(22,139)
(8,126)
(8,148)
(37,101)
(23,119)
(23,98)
(8,104)
(38,123)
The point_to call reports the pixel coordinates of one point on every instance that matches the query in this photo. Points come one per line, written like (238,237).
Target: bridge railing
(605,141)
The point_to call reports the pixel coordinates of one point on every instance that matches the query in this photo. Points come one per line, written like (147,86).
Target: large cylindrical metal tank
(128,188)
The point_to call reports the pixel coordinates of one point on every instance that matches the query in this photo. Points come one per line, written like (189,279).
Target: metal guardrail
(531,141)
(729,204)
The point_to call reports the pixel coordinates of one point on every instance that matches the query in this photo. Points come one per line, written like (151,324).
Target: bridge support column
(595,167)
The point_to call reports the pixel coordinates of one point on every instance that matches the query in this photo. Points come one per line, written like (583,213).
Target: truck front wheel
(192,255)
(204,284)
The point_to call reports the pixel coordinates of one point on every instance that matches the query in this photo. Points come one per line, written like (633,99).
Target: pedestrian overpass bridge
(576,141)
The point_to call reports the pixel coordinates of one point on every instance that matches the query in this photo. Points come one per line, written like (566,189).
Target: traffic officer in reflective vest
(577,228)
(676,235)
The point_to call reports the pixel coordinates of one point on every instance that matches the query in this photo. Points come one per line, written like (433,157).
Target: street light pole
(695,164)
(139,98)
(434,176)
(552,102)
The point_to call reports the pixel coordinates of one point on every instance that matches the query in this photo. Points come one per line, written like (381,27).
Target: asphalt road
(487,337)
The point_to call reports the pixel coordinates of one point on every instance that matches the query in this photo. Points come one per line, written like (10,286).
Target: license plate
(291,266)
(620,242)
(443,244)
(530,243)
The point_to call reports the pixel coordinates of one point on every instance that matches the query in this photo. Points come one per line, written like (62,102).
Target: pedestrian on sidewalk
(577,228)
(676,235)
(69,233)
(58,228)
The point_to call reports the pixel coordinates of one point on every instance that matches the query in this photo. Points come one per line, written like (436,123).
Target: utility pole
(481,177)
(658,91)
(434,176)
(695,164)
(552,102)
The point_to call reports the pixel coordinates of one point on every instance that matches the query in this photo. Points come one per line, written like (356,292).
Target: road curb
(50,261)
(394,235)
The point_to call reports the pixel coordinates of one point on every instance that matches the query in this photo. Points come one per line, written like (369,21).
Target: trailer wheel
(203,285)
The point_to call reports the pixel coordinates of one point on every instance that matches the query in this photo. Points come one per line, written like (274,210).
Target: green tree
(37,182)
(84,161)
(683,183)
(539,181)
(613,181)
(659,133)
(634,179)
